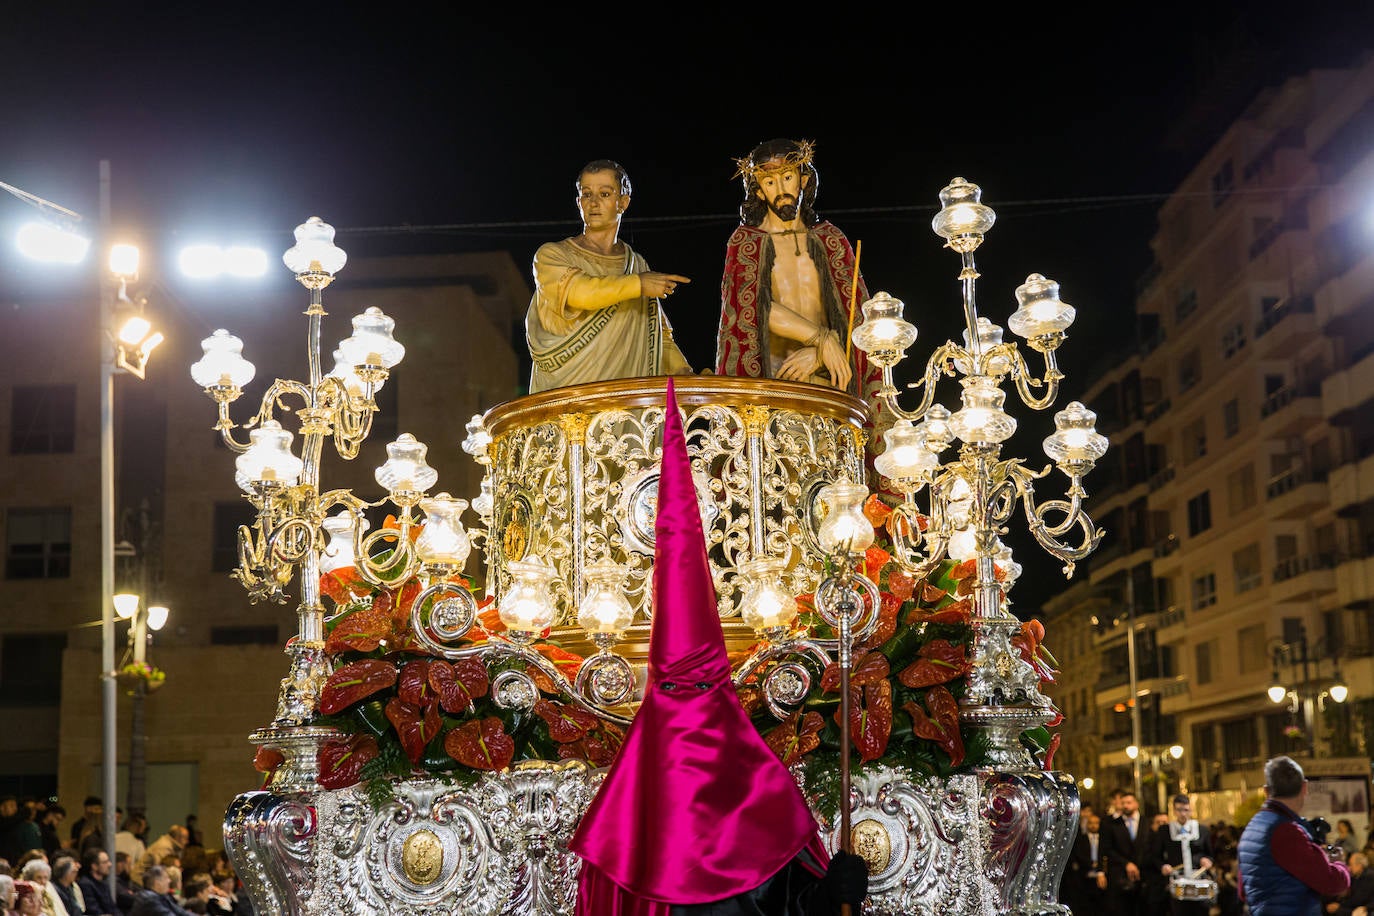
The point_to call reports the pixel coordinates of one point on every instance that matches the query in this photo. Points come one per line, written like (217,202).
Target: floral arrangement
(1294,731)
(149,674)
(403,712)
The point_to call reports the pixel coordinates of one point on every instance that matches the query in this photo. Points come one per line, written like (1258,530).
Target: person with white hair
(6,894)
(39,873)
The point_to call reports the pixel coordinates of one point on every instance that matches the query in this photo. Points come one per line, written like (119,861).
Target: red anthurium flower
(416,726)
(1037,656)
(939,661)
(267,759)
(360,631)
(796,736)
(459,683)
(599,747)
(939,722)
(932,594)
(870,718)
(342,760)
(566,723)
(887,621)
(354,681)
(955,612)
(868,668)
(481,744)
(343,584)
(876,510)
(1049,752)
(413,684)
(875,558)
(901,583)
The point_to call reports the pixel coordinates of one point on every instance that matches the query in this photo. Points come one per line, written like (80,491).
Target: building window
(225,540)
(1240,489)
(1246,564)
(1189,370)
(1252,643)
(31,669)
(1223,183)
(1233,339)
(1195,440)
(38,544)
(1240,743)
(43,419)
(1204,591)
(1230,417)
(1199,513)
(1186,305)
(1204,657)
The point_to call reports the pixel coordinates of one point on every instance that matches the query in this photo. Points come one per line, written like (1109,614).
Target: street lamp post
(143,621)
(1309,692)
(1156,756)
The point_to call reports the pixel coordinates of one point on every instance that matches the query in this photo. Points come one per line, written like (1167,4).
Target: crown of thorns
(797,159)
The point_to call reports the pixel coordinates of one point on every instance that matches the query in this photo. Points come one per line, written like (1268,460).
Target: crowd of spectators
(44,874)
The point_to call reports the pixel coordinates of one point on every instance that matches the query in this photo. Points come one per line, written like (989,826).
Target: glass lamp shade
(963,545)
(883,328)
(338,553)
(989,336)
(1075,438)
(372,343)
(125,605)
(443,540)
(982,420)
(269,458)
(1277,693)
(123,260)
(1339,691)
(486,501)
(223,363)
(906,456)
(405,470)
(528,607)
(845,527)
(604,608)
(1040,310)
(478,439)
(347,373)
(1132,751)
(961,212)
(935,429)
(766,604)
(157,617)
(1176,751)
(314,249)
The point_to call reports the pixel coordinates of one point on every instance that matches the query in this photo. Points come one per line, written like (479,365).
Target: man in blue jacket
(1283,870)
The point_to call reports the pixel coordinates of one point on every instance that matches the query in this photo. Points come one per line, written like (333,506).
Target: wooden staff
(853,294)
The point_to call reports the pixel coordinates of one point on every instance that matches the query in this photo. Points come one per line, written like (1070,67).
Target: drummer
(1181,853)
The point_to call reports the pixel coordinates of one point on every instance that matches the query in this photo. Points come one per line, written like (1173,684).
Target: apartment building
(460,318)
(1239,489)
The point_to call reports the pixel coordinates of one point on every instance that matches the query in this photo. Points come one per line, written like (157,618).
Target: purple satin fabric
(696,807)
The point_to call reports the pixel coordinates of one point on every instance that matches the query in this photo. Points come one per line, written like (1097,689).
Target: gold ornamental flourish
(755,418)
(574,426)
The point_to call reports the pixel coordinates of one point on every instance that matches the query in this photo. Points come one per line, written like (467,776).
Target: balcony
(1288,325)
(1344,301)
(1351,485)
(1345,391)
(1355,581)
(1162,477)
(1289,411)
(1295,493)
(1303,578)
(1167,545)
(1157,410)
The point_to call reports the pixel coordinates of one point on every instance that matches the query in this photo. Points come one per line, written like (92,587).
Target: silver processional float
(439,734)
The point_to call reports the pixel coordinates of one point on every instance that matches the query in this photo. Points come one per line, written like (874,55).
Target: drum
(1199,889)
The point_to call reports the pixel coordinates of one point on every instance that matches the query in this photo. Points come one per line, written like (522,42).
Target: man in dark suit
(1084,886)
(1126,847)
(1170,858)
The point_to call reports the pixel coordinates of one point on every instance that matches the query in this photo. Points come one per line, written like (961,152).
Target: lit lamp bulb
(1040,312)
(268,462)
(124,261)
(353,383)
(126,605)
(1076,444)
(605,611)
(981,421)
(1277,692)
(338,553)
(314,251)
(766,607)
(405,474)
(528,608)
(157,617)
(443,546)
(844,528)
(884,335)
(935,428)
(963,219)
(906,461)
(372,349)
(223,365)
(1339,691)
(1132,751)
(1089,782)
(1176,751)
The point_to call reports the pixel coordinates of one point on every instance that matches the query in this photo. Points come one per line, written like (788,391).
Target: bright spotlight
(124,260)
(134,330)
(46,242)
(201,261)
(245,261)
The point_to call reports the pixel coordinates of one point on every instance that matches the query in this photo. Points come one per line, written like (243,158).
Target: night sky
(448,130)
